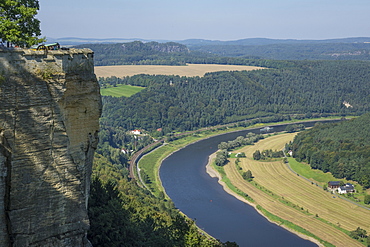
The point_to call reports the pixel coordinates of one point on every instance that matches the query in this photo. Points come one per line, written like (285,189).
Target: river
(220,214)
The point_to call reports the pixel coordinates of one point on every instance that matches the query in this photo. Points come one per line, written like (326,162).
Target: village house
(333,185)
(347,188)
(135,132)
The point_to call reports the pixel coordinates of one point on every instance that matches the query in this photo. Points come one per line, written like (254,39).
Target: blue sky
(205,19)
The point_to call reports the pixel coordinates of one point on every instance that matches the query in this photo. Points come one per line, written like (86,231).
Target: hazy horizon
(205,19)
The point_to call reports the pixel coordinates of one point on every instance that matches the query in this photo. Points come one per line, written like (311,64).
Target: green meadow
(121,90)
(306,171)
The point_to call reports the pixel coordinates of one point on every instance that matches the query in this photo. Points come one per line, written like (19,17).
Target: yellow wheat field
(276,177)
(188,70)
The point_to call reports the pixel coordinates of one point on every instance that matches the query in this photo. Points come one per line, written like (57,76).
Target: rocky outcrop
(169,47)
(153,47)
(49,112)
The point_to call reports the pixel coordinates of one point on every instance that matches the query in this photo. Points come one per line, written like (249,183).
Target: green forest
(300,51)
(139,53)
(304,89)
(124,214)
(340,148)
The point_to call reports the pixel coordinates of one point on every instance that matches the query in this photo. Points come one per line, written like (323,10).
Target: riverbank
(215,174)
(157,156)
(173,147)
(296,202)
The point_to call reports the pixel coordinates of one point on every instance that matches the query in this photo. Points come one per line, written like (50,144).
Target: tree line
(240,141)
(267,154)
(340,148)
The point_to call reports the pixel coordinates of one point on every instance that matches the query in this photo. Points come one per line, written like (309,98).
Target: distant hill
(201,42)
(265,41)
(138,52)
(124,51)
(288,49)
(70,41)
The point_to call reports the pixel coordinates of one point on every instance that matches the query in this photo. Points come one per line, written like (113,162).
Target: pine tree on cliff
(18,24)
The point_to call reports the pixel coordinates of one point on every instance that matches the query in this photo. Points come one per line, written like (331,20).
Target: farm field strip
(188,70)
(277,178)
(276,142)
(302,193)
(316,227)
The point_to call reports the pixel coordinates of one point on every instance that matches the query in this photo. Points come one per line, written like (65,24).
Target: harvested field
(188,70)
(306,200)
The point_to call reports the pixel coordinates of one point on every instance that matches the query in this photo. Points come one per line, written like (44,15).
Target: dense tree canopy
(139,53)
(340,148)
(300,51)
(123,214)
(311,88)
(18,24)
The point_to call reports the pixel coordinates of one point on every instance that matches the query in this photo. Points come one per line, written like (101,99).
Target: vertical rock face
(49,111)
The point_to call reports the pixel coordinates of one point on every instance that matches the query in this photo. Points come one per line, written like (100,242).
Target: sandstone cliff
(49,111)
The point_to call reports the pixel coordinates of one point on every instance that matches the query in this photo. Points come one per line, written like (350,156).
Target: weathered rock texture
(49,111)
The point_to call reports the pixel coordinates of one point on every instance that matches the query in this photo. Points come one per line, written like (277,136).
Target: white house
(347,188)
(135,132)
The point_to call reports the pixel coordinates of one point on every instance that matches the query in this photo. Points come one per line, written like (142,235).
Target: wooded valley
(286,90)
(303,88)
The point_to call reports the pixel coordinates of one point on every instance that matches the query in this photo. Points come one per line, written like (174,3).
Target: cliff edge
(49,119)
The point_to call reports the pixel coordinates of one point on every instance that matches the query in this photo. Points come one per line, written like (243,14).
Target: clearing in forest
(293,198)
(120,90)
(188,70)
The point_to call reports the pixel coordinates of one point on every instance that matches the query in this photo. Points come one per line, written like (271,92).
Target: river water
(220,214)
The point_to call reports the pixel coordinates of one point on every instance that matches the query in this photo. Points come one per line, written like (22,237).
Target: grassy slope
(308,199)
(121,90)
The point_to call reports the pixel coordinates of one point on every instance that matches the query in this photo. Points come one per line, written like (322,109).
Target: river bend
(220,214)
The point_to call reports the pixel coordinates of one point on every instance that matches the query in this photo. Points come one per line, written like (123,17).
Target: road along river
(220,214)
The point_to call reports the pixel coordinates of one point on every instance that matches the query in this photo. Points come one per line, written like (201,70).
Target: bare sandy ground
(189,70)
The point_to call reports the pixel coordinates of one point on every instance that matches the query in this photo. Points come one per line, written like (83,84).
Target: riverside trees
(249,139)
(18,24)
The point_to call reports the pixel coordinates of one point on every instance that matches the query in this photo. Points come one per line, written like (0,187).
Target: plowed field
(310,200)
